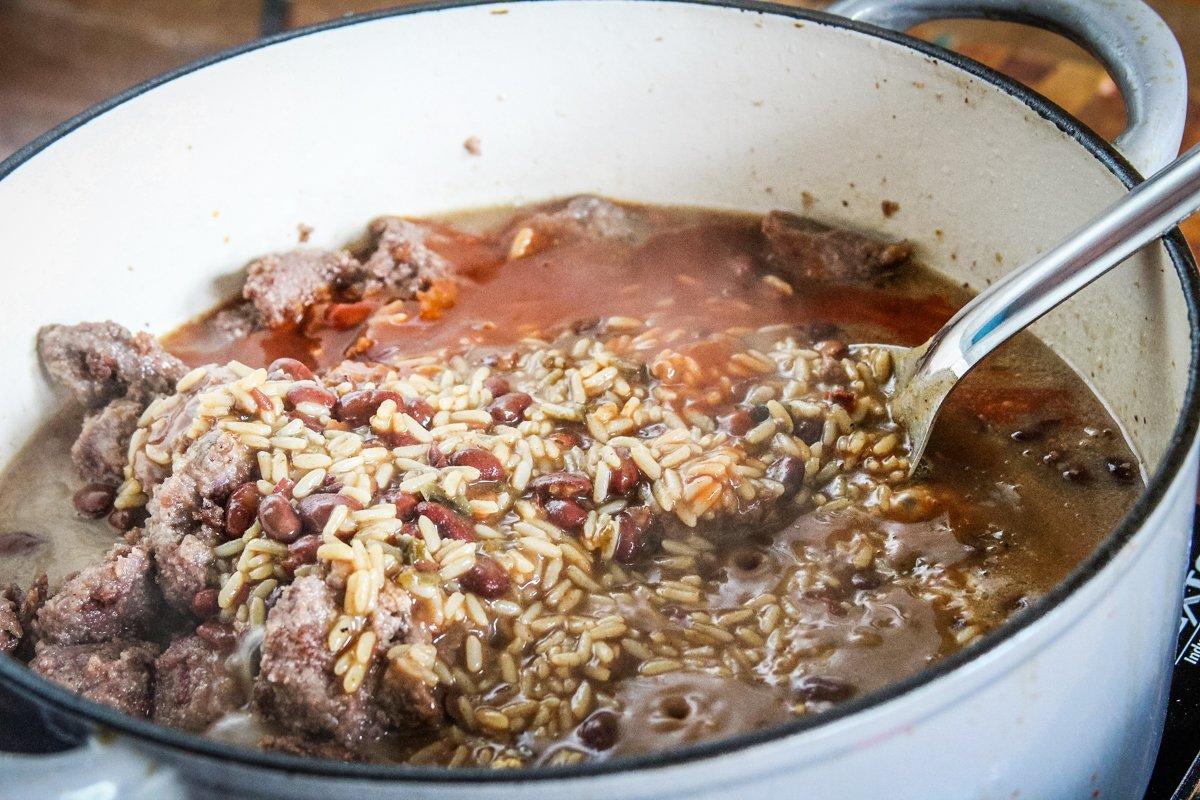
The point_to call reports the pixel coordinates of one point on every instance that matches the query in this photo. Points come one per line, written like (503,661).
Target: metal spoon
(926,374)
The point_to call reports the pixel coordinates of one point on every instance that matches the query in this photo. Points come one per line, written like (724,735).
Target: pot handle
(1133,43)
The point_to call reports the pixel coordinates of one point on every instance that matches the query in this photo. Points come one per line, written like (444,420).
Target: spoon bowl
(924,376)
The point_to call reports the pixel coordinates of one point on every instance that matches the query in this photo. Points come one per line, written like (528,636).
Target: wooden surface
(57,57)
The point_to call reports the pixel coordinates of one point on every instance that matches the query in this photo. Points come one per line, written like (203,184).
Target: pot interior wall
(146,213)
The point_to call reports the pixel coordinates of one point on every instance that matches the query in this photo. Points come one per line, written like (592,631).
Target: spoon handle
(1021,297)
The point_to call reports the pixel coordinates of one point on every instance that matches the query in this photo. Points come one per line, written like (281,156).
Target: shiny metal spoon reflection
(926,374)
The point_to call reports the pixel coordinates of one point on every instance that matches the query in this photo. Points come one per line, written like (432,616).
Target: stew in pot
(539,486)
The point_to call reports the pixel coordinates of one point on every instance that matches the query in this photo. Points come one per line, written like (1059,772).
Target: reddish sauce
(693,275)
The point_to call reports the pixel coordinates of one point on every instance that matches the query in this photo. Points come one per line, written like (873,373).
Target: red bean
(566,514)
(241,510)
(406,507)
(261,400)
(395,439)
(218,634)
(566,439)
(561,485)
(625,479)
(449,524)
(486,579)
(842,397)
(204,603)
(278,519)
(634,526)
(316,508)
(419,410)
(490,468)
(737,422)
(312,423)
(94,500)
(599,731)
(126,519)
(291,367)
(497,385)
(809,430)
(789,471)
(866,579)
(302,551)
(357,408)
(15,542)
(406,504)
(436,457)
(306,393)
(510,409)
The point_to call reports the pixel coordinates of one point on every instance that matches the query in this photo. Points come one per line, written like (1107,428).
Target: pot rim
(20,677)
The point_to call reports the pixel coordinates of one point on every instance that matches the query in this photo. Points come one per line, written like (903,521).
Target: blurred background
(57,57)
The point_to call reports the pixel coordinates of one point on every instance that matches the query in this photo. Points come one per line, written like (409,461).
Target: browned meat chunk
(402,261)
(31,602)
(589,217)
(234,321)
(99,452)
(117,673)
(170,433)
(281,286)
(11,630)
(191,687)
(798,247)
(211,468)
(408,702)
(17,612)
(296,688)
(114,599)
(101,361)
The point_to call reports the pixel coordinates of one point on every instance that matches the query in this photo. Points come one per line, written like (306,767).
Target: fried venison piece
(590,217)
(408,703)
(98,362)
(283,285)
(11,630)
(801,248)
(18,609)
(296,688)
(99,452)
(114,599)
(116,673)
(401,260)
(210,469)
(192,689)
(171,433)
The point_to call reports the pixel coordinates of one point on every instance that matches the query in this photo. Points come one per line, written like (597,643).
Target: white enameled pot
(142,209)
